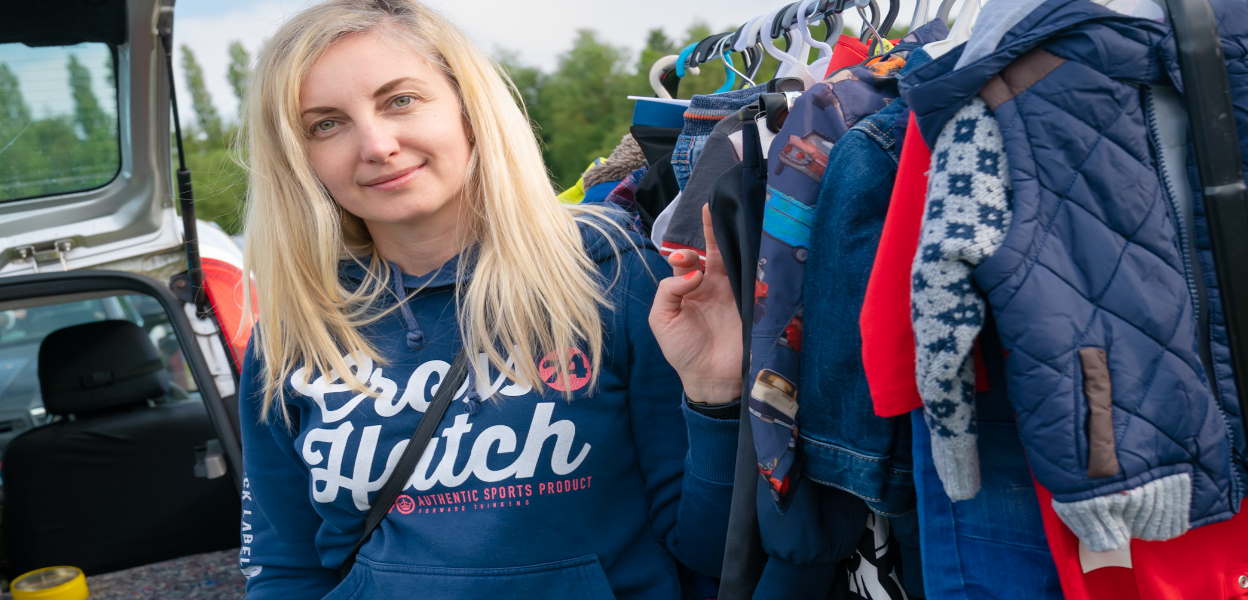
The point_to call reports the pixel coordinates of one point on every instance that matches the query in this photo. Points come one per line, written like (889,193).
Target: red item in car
(223,283)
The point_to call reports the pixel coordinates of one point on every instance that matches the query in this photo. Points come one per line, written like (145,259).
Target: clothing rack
(1206,92)
(787,18)
(1208,101)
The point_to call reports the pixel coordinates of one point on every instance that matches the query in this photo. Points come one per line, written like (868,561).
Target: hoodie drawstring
(472,397)
(415,337)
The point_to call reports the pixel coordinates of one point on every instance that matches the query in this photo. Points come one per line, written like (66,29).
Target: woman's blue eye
(402,101)
(323,126)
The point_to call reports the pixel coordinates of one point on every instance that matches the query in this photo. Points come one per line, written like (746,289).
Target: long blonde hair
(533,288)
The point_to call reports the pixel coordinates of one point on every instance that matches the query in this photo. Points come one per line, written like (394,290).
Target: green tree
(90,118)
(14,113)
(205,112)
(110,73)
(220,186)
(239,70)
(14,124)
(529,81)
(657,46)
(588,104)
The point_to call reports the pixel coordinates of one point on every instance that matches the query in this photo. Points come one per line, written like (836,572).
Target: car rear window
(58,119)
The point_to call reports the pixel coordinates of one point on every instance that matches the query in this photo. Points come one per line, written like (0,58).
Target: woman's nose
(377,142)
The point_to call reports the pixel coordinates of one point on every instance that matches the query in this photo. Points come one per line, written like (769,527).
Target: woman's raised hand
(695,320)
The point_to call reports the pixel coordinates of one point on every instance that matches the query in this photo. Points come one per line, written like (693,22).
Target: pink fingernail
(690,274)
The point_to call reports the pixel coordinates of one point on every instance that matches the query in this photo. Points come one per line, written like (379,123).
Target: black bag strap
(411,455)
(1206,91)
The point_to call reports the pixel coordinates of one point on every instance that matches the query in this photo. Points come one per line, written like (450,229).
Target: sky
(536,30)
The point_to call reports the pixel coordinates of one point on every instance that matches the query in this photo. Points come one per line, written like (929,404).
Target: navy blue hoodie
(522,494)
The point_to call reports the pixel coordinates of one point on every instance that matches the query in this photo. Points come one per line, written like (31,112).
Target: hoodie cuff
(712,446)
(1157,510)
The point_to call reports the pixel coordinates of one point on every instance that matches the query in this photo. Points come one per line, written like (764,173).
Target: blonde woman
(400,211)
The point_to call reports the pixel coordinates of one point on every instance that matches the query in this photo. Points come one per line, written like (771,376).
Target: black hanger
(830,25)
(753,61)
(894,7)
(702,53)
(775,106)
(785,20)
(875,21)
(786,84)
(670,81)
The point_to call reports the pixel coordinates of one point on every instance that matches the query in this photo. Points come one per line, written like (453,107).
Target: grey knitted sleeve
(964,222)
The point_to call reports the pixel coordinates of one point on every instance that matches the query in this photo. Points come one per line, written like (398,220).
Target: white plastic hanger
(790,64)
(656,70)
(959,34)
(820,65)
(920,18)
(749,34)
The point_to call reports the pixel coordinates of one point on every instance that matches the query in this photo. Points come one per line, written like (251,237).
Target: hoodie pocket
(581,578)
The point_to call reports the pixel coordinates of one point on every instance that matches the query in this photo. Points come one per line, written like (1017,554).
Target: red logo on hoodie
(578,367)
(405,504)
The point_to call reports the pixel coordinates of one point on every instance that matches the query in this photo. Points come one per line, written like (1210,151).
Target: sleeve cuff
(1157,510)
(731,410)
(712,446)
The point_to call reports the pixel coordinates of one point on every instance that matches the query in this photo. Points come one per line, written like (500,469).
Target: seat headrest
(97,366)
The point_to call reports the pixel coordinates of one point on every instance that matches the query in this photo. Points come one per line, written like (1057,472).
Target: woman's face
(385,134)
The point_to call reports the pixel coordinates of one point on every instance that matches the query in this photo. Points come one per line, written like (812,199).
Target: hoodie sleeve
(686,457)
(278,553)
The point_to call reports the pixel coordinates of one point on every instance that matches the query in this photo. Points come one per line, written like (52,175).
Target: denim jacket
(844,444)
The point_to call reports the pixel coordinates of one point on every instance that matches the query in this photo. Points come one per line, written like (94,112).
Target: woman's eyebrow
(384,89)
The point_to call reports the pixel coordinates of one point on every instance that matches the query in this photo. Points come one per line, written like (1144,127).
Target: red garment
(887,333)
(1206,562)
(847,52)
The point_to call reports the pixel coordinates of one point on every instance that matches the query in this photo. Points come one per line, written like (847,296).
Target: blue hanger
(731,80)
(683,58)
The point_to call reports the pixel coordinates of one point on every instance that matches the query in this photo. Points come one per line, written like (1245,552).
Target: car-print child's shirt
(796,161)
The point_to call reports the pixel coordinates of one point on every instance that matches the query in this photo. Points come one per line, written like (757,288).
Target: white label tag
(1091,561)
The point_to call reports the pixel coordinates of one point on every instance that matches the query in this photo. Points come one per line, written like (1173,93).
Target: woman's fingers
(668,296)
(714,260)
(684,261)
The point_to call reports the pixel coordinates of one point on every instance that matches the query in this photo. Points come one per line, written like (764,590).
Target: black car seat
(111,484)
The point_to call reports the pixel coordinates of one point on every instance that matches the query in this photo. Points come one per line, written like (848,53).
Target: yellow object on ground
(51,583)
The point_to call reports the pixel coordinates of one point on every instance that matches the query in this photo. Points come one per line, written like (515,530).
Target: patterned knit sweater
(965,221)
